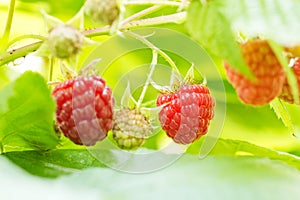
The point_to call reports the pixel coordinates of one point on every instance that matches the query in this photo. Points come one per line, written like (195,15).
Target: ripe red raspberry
(265,67)
(84,109)
(286,93)
(186,113)
(130,128)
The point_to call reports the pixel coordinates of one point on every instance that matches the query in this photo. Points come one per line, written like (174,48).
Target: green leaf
(274,19)
(26,114)
(208,25)
(54,163)
(283,114)
(242,148)
(216,25)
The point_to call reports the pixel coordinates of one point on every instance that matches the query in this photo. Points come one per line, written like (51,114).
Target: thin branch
(23,37)
(154,48)
(6,33)
(51,69)
(173,18)
(97,31)
(18,53)
(141,14)
(149,78)
(177,18)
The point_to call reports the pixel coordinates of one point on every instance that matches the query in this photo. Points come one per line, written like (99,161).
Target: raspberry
(286,93)
(186,113)
(103,11)
(65,41)
(265,67)
(84,109)
(130,128)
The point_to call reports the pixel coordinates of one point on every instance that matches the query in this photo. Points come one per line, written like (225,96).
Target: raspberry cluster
(85,114)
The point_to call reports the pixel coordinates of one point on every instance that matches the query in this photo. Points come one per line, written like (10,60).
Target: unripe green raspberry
(130,128)
(103,11)
(65,41)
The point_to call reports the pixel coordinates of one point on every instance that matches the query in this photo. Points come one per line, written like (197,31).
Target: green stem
(23,37)
(6,33)
(177,18)
(154,48)
(96,31)
(173,18)
(149,78)
(18,53)
(240,148)
(141,14)
(51,69)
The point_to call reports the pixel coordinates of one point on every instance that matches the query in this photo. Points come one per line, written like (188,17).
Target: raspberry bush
(64,69)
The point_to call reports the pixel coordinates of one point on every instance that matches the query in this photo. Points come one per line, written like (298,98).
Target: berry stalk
(13,54)
(51,64)
(177,18)
(154,48)
(5,38)
(152,68)
(23,51)
(24,37)
(141,14)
